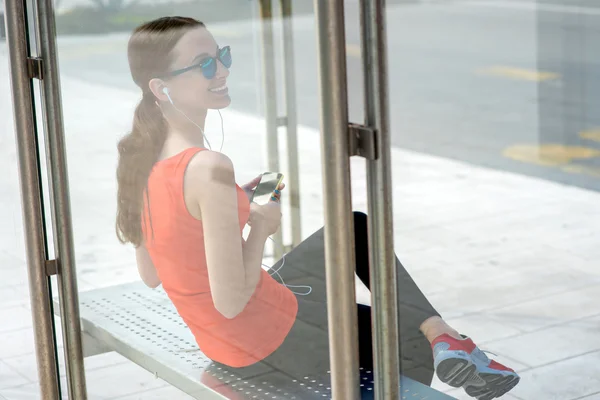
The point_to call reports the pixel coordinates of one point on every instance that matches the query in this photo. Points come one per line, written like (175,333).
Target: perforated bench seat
(142,325)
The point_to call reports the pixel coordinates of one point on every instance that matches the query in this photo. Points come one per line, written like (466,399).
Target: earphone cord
(198,126)
(276,271)
(222,131)
(166,91)
(202,130)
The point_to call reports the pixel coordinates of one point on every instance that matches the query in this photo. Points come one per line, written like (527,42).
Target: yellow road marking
(591,134)
(549,154)
(556,155)
(581,169)
(519,73)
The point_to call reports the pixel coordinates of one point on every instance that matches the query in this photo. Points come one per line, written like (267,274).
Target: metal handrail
(339,143)
(21,74)
(382,259)
(61,204)
(339,224)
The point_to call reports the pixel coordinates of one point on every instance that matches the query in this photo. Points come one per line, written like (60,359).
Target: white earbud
(276,271)
(166,92)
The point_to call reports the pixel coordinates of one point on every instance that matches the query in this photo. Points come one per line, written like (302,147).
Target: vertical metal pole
(339,224)
(59,186)
(31,199)
(270,92)
(291,121)
(379,182)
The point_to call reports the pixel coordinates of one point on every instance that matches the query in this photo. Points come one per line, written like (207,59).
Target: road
(510,85)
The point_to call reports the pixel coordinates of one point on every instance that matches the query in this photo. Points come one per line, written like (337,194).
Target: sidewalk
(507,259)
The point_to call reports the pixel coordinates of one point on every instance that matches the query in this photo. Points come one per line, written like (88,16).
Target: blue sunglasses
(208,66)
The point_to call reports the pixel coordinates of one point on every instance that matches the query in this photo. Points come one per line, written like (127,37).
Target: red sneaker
(459,362)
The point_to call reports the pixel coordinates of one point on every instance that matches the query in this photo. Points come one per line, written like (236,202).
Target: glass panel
(495,159)
(236,311)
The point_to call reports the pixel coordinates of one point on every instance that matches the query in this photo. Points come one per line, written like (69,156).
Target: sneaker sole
(455,371)
(458,371)
(485,386)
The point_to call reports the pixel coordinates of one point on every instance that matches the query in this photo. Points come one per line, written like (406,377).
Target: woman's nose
(222,71)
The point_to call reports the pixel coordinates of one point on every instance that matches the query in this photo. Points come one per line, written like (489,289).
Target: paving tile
(14,318)
(481,328)
(476,296)
(104,360)
(170,393)
(30,391)
(460,394)
(569,379)
(553,344)
(586,246)
(544,228)
(406,243)
(26,365)
(543,255)
(16,343)
(121,380)
(595,396)
(11,230)
(10,377)
(549,310)
(11,296)
(436,236)
(449,267)
(13,271)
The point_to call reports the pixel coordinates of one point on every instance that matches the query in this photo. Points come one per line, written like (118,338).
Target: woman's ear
(156,86)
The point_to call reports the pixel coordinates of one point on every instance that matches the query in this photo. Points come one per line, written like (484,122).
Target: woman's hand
(265,218)
(250,186)
(276,196)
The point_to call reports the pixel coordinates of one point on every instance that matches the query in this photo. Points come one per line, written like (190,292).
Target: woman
(179,205)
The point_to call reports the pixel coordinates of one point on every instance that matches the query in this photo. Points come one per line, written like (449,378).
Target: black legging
(305,351)
(413,310)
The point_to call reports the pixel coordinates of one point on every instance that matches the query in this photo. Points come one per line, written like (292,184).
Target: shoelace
(489,352)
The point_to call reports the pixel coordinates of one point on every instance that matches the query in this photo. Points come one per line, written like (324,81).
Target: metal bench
(143,325)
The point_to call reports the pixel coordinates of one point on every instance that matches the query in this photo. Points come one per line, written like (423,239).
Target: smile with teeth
(218,89)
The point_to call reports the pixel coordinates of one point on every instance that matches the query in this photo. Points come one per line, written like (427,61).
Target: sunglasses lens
(209,69)
(225,56)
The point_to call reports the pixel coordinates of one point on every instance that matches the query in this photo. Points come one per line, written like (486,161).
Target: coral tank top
(175,242)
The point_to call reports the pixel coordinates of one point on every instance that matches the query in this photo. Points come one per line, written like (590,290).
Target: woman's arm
(234,267)
(146,267)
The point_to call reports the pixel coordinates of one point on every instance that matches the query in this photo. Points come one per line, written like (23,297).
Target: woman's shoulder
(209,164)
(208,171)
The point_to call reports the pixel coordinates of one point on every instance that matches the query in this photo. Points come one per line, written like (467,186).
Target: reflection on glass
(493,137)
(181,208)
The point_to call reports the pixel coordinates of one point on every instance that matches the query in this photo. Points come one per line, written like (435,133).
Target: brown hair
(149,52)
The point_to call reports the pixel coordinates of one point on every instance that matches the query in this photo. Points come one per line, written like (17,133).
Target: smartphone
(269,181)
